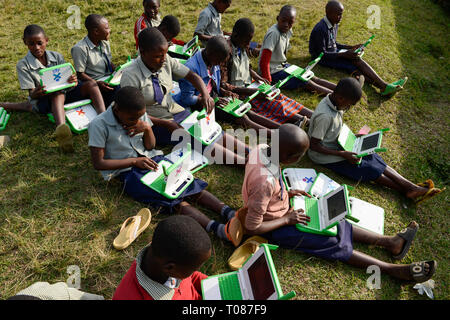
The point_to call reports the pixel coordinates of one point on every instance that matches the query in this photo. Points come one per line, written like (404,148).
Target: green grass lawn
(56,211)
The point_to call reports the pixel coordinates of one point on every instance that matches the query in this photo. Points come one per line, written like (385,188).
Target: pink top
(261,190)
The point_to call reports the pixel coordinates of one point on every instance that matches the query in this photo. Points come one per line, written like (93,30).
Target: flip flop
(408,234)
(234,231)
(64,138)
(417,270)
(241,254)
(132,228)
(427,184)
(428,195)
(393,87)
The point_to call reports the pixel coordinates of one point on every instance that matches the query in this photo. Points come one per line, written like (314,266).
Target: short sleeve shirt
(93,60)
(239,74)
(139,76)
(28,68)
(107,133)
(278,44)
(209,22)
(326,124)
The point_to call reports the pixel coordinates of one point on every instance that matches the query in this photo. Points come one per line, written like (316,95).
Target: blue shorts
(140,192)
(370,168)
(339,63)
(44,104)
(339,247)
(292,84)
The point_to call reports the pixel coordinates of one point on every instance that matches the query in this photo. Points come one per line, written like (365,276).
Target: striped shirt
(142,23)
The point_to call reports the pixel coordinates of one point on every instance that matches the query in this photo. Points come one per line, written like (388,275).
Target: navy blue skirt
(338,248)
(140,192)
(339,64)
(370,168)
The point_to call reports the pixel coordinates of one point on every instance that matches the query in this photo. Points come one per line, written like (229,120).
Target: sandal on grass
(241,254)
(428,195)
(408,235)
(132,228)
(417,270)
(234,231)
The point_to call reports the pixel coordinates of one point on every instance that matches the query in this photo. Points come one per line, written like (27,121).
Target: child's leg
(57,105)
(224,148)
(394,180)
(324,83)
(210,201)
(246,122)
(17,106)
(370,74)
(317,88)
(90,89)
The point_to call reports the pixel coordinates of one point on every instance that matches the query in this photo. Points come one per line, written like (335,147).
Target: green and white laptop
(299,178)
(362,146)
(202,126)
(78,115)
(299,73)
(195,161)
(4,117)
(170,179)
(237,107)
(325,212)
(114,78)
(256,280)
(186,51)
(56,78)
(270,91)
(361,48)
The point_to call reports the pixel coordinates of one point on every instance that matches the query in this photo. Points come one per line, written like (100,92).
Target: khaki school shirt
(239,75)
(209,22)
(326,124)
(92,60)
(278,43)
(107,133)
(139,76)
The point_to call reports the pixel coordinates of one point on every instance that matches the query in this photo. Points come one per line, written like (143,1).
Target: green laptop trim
(194,130)
(347,140)
(299,72)
(41,72)
(159,184)
(179,52)
(266,247)
(287,184)
(331,230)
(74,105)
(111,76)
(364,45)
(4,118)
(235,104)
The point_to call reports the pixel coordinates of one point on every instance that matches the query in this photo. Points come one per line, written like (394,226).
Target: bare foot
(398,242)
(416,192)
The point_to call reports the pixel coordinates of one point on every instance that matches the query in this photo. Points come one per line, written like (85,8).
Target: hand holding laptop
(145,163)
(350,157)
(294,217)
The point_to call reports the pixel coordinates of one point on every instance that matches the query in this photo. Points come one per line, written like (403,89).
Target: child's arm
(264,64)
(316,145)
(100,163)
(142,126)
(290,218)
(203,99)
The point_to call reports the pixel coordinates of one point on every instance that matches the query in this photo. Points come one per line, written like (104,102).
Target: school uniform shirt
(93,60)
(323,39)
(107,133)
(142,23)
(326,124)
(188,95)
(262,191)
(139,76)
(28,70)
(209,22)
(239,67)
(136,285)
(278,44)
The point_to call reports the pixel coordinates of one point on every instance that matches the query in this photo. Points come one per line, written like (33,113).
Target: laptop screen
(261,279)
(370,142)
(336,205)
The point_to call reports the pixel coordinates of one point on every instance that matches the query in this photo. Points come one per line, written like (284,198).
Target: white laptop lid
(56,78)
(81,116)
(299,178)
(178,177)
(323,185)
(209,127)
(369,142)
(333,207)
(256,279)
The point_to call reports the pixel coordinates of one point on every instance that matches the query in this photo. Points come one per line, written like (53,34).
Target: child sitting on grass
(122,142)
(237,74)
(166,269)
(38,58)
(92,56)
(208,24)
(323,38)
(267,213)
(152,73)
(273,60)
(325,126)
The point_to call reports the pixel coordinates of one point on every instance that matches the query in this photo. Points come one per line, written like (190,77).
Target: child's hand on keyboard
(293,193)
(297,216)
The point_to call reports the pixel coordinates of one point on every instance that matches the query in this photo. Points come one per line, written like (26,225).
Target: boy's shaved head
(33,30)
(243,27)
(129,99)
(288,9)
(171,25)
(180,239)
(151,39)
(93,21)
(349,89)
(294,142)
(333,5)
(218,47)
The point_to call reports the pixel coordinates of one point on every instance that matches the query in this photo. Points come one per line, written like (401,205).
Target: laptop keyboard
(229,287)
(312,207)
